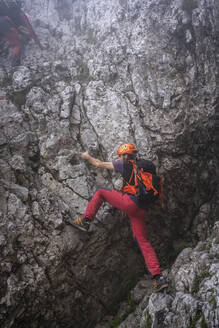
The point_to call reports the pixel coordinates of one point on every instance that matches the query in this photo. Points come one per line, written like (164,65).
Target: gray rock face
(110,72)
(192,299)
(195,281)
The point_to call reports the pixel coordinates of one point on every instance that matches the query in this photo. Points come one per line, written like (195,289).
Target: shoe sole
(161,288)
(79,228)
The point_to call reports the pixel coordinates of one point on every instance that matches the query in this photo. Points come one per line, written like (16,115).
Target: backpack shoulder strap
(128,182)
(125,178)
(137,170)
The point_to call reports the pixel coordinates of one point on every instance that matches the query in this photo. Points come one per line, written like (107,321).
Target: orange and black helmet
(126,149)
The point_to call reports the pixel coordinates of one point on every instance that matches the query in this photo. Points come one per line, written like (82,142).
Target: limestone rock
(109,72)
(195,282)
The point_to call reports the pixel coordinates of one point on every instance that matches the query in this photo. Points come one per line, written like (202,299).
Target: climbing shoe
(159,283)
(81,223)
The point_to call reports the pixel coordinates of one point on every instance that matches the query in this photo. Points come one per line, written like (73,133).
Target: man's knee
(97,193)
(102,190)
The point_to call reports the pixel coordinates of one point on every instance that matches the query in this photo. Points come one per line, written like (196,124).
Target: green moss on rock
(148,323)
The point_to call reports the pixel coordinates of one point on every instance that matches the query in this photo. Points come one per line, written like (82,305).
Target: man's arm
(96,162)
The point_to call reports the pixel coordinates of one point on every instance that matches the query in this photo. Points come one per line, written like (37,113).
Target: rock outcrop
(110,72)
(192,299)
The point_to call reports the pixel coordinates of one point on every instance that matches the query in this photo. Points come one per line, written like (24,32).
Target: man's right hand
(96,162)
(85,155)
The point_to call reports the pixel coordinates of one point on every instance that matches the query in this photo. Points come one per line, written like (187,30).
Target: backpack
(144,183)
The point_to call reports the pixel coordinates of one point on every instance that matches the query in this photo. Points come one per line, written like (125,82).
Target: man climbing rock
(126,201)
(13,24)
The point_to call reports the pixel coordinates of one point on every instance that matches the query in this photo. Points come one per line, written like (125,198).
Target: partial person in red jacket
(13,24)
(126,202)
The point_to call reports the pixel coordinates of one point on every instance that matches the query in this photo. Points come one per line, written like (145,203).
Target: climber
(11,34)
(13,24)
(127,203)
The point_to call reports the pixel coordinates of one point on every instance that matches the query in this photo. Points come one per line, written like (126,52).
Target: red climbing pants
(13,38)
(137,217)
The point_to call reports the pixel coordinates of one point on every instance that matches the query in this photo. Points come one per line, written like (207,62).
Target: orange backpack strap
(127,187)
(145,178)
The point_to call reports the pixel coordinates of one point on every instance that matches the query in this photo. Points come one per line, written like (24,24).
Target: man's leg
(124,203)
(11,34)
(113,197)
(13,38)
(136,215)
(139,232)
